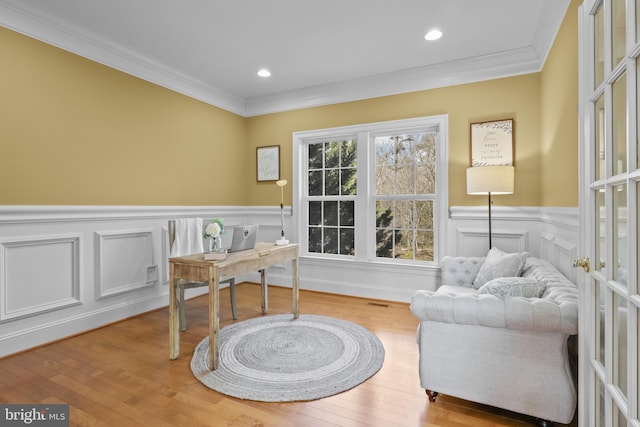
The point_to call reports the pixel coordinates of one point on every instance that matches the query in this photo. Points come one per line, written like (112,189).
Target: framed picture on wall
(268,163)
(492,143)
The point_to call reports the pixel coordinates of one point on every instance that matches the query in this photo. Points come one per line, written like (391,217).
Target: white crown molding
(21,18)
(488,67)
(554,12)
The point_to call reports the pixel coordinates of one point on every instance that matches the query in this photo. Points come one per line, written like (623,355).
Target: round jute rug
(280,359)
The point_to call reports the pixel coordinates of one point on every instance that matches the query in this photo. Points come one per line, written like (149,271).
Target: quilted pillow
(500,264)
(514,287)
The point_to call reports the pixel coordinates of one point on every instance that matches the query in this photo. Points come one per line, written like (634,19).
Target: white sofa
(509,352)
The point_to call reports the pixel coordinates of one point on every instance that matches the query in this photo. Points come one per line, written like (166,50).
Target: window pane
(315,183)
(620,231)
(405,179)
(637,20)
(638,104)
(620,125)
(426,179)
(385,179)
(620,343)
(404,244)
(599,135)
(330,213)
(330,242)
(619,30)
(332,154)
(384,214)
(385,152)
(384,228)
(347,214)
(348,153)
(598,306)
(426,148)
(315,213)
(424,214)
(618,417)
(600,399)
(347,241)
(403,214)
(404,149)
(599,46)
(332,182)
(600,231)
(384,243)
(424,245)
(315,156)
(315,239)
(348,182)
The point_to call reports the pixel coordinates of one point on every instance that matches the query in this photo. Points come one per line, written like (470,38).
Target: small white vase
(212,244)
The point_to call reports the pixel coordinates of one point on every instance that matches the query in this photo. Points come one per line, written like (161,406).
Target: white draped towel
(188,237)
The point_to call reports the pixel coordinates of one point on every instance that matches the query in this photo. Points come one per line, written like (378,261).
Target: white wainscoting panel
(544,232)
(101,264)
(124,261)
(475,241)
(39,274)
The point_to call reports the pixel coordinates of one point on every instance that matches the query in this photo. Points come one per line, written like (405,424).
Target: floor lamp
(490,180)
(282,241)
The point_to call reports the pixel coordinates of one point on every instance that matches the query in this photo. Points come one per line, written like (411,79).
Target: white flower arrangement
(214,228)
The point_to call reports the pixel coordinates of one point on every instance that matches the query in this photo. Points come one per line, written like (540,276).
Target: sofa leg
(543,423)
(432,395)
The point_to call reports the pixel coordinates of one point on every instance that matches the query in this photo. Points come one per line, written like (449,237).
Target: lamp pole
(282,241)
(489,220)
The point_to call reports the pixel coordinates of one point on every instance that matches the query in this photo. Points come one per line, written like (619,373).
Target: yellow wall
(73,132)
(515,97)
(559,117)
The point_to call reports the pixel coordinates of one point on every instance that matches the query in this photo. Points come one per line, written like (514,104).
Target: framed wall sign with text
(492,143)
(268,163)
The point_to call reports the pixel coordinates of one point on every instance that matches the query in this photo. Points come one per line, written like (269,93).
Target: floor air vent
(379,304)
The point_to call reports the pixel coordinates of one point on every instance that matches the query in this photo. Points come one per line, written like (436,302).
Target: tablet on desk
(244,237)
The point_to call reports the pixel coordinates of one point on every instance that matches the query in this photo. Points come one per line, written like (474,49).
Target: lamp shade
(490,179)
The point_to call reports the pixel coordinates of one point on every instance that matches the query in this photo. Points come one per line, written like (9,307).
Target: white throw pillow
(500,264)
(514,287)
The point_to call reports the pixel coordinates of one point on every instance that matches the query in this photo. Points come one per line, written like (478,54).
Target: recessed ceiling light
(433,35)
(264,73)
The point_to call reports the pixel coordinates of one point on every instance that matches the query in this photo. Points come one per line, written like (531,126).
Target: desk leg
(265,290)
(174,316)
(214,319)
(294,279)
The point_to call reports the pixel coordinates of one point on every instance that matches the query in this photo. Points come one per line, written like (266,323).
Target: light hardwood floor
(120,375)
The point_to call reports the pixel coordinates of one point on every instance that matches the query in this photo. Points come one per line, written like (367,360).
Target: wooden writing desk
(195,268)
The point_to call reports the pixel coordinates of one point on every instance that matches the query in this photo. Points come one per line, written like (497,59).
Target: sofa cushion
(460,271)
(500,264)
(514,287)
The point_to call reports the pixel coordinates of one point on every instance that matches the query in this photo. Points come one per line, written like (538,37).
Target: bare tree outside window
(404,191)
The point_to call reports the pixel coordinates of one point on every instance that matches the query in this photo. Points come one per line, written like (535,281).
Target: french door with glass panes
(609,204)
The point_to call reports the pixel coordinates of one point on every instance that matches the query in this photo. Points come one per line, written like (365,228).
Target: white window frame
(365,241)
